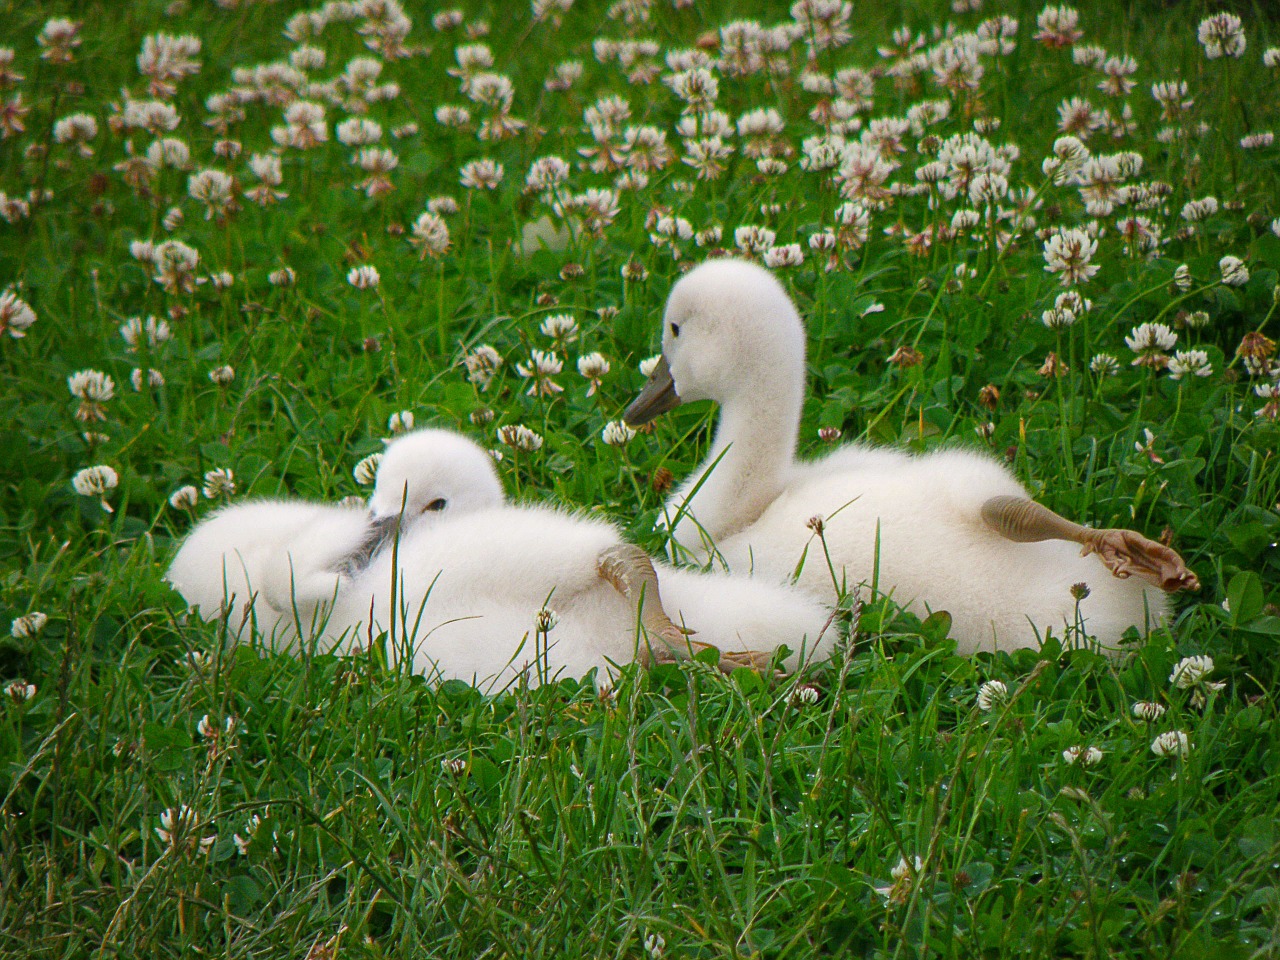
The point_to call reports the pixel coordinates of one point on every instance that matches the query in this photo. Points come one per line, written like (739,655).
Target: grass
(353,810)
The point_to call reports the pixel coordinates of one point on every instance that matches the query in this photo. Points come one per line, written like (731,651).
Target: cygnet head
(729,331)
(429,472)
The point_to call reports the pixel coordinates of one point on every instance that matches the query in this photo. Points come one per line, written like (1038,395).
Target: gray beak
(383,529)
(658,396)
(380,532)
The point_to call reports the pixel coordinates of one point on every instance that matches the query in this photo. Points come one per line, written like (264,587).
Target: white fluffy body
(467,590)
(462,597)
(911,525)
(260,560)
(274,565)
(460,591)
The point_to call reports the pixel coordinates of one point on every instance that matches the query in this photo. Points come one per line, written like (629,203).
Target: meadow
(241,243)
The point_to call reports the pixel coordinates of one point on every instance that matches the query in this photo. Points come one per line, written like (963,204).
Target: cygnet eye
(438,504)
(675,329)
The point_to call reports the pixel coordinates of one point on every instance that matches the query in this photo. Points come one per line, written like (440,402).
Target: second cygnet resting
(486,593)
(272,567)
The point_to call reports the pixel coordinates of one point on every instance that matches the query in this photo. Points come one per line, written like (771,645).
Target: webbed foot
(630,571)
(1127,553)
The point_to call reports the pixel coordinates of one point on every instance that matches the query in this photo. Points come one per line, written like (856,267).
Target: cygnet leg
(1123,552)
(630,571)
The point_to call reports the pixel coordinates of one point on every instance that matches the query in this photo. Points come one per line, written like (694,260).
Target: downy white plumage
(459,580)
(275,566)
(948,530)
(464,596)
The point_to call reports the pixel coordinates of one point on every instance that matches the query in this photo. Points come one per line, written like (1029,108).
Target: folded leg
(630,571)
(1123,552)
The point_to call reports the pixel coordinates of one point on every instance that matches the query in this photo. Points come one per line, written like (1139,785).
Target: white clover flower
(593,366)
(753,240)
(366,471)
(213,188)
(13,209)
(358,132)
(304,128)
(364,277)
(710,236)
(545,620)
(1067,253)
(1221,35)
(283,277)
(1234,272)
(15,315)
(649,364)
(1104,365)
(76,129)
(154,378)
(1257,141)
(1182,277)
(220,482)
(903,876)
(242,843)
(175,266)
(669,230)
(519,437)
(30,625)
(1057,318)
(1193,211)
(992,694)
(1084,756)
(96,482)
(617,434)
(430,234)
(153,332)
(1147,338)
(655,945)
(1057,26)
(564,75)
(560,327)
(266,167)
(542,366)
(1190,363)
(788,255)
(1173,743)
(1190,670)
(184,498)
(545,174)
(91,385)
(804,696)
(483,174)
(222,375)
(180,830)
(154,116)
(452,115)
(1148,710)
(401,421)
(174,217)
(20,691)
(482,363)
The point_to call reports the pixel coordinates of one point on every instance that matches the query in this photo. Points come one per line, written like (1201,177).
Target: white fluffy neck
(748,465)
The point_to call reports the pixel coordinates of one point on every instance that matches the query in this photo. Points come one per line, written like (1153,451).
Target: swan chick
(950,529)
(274,565)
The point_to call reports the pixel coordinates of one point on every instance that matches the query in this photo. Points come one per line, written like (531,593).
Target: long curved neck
(748,465)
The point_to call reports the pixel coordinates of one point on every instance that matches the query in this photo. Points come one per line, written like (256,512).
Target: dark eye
(438,504)
(675,329)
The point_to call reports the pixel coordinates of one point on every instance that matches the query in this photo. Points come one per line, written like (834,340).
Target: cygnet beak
(658,396)
(382,529)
